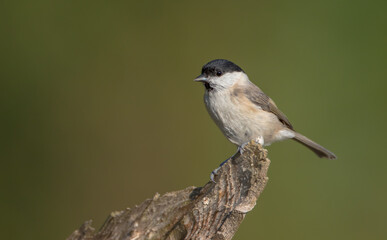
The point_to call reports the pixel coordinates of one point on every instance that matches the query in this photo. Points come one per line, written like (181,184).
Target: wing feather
(259,98)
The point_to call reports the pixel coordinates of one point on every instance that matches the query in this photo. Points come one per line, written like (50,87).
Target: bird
(243,112)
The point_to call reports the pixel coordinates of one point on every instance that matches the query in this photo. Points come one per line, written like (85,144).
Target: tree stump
(213,211)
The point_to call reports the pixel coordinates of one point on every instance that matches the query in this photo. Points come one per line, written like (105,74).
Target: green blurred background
(99,110)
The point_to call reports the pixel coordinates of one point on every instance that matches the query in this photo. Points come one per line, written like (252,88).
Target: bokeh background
(99,110)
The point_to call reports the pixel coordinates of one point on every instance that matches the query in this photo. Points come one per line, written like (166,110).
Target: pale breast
(239,119)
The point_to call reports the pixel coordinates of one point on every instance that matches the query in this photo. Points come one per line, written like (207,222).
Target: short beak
(201,78)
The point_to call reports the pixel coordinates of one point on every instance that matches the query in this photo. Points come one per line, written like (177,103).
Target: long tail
(316,148)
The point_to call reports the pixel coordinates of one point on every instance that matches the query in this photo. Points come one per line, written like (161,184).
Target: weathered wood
(214,211)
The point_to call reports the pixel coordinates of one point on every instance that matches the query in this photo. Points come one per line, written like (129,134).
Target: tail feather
(316,148)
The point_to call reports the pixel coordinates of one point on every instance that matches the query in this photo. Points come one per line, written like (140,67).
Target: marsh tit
(243,112)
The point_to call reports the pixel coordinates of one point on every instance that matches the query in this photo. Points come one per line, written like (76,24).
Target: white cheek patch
(228,79)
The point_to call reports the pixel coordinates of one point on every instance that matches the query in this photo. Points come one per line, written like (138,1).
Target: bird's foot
(215,172)
(241,147)
(259,140)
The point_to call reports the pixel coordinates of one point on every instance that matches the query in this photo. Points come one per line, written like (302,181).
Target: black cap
(219,67)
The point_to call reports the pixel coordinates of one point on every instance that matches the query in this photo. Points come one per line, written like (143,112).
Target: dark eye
(218,73)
